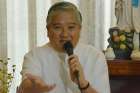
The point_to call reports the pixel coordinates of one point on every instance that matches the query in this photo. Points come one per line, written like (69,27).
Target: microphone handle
(78,81)
(76,73)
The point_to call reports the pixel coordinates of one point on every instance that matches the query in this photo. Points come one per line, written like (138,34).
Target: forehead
(64,17)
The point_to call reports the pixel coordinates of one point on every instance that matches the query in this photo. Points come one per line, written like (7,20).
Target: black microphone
(68,47)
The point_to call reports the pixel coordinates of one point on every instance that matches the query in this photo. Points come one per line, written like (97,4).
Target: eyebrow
(60,23)
(73,23)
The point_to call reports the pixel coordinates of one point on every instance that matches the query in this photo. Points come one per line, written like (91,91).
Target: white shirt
(53,68)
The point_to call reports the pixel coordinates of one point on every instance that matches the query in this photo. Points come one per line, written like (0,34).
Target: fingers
(75,66)
(35,80)
(74,63)
(32,77)
(48,87)
(38,84)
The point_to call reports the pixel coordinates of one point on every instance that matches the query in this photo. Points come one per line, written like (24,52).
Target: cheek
(54,36)
(75,38)
(76,35)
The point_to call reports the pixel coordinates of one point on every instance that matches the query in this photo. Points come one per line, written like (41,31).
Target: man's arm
(33,84)
(74,65)
(100,77)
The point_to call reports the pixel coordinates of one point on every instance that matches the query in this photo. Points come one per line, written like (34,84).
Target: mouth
(64,41)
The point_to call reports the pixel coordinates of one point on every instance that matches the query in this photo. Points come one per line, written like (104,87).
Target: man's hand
(34,84)
(74,66)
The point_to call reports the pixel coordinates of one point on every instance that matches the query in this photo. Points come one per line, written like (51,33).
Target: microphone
(68,47)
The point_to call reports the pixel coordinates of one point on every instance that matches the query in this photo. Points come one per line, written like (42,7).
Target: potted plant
(5,76)
(121,40)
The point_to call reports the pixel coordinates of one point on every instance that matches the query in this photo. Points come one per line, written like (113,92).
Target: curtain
(96,22)
(3,29)
(112,12)
(23,27)
(17,36)
(93,27)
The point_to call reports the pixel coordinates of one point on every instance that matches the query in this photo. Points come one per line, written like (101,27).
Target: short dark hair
(64,6)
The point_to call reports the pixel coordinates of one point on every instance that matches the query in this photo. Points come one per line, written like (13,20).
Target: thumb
(32,77)
(48,87)
(40,84)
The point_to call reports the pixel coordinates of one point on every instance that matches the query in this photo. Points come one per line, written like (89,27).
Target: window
(18,29)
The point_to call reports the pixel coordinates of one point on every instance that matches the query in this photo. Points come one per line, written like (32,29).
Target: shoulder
(88,49)
(38,50)
(89,54)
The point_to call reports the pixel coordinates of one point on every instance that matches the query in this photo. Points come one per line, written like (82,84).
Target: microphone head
(68,47)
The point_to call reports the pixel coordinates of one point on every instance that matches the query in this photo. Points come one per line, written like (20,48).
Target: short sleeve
(31,65)
(101,77)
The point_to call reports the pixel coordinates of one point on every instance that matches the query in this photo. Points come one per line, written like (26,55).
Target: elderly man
(48,69)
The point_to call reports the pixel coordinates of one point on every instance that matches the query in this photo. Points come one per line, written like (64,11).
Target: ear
(80,27)
(47,30)
(47,27)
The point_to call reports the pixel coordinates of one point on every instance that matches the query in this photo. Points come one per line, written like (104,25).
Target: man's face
(63,27)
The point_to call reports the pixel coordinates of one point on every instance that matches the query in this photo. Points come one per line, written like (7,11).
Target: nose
(65,33)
